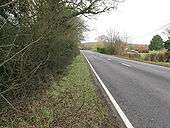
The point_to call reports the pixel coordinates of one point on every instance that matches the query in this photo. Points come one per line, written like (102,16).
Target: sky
(140,20)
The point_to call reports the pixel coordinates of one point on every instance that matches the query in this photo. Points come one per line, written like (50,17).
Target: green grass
(72,102)
(158,63)
(144,54)
(156,51)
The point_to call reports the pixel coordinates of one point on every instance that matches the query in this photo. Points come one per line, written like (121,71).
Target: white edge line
(119,110)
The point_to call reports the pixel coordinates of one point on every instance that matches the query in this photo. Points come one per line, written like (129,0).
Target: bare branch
(22,50)
(9,3)
(13,106)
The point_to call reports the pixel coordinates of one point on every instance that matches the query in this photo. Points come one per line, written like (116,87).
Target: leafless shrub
(38,37)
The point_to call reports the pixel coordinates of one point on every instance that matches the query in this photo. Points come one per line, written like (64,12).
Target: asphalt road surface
(142,90)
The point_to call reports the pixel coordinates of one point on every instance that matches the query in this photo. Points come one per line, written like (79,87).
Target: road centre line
(113,101)
(126,65)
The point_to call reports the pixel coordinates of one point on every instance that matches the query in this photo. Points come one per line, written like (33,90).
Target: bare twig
(13,106)
(22,50)
(6,4)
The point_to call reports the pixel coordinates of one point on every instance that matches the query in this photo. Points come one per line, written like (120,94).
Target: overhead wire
(152,32)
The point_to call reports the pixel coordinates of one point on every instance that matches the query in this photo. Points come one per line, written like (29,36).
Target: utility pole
(126,38)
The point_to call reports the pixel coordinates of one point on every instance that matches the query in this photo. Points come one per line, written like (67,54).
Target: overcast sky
(137,18)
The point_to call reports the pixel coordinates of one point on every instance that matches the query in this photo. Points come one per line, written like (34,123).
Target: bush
(144,52)
(100,50)
(168,56)
(131,55)
(33,48)
(167,45)
(36,39)
(157,57)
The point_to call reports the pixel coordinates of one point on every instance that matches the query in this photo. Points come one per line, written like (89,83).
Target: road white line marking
(119,110)
(126,65)
(108,59)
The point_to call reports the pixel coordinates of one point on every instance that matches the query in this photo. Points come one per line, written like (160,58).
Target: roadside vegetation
(157,52)
(166,64)
(38,40)
(72,102)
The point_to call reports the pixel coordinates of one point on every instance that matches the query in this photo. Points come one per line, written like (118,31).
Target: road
(142,90)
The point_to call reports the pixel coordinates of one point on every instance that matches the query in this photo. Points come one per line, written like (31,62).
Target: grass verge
(72,102)
(166,64)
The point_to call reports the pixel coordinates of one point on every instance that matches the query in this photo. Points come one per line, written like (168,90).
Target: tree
(102,38)
(81,7)
(167,44)
(156,43)
(119,46)
(114,43)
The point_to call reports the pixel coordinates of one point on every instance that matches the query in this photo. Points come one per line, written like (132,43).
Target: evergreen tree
(167,44)
(156,43)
